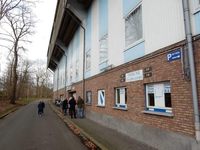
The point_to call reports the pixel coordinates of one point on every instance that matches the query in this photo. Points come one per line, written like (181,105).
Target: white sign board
(134,76)
(159,95)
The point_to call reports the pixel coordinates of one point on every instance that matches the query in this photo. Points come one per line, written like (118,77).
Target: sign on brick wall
(174,55)
(134,76)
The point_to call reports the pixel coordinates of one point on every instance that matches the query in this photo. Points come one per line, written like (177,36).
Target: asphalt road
(25,130)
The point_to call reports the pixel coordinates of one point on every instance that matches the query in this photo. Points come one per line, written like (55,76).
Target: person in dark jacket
(72,104)
(41,106)
(65,106)
(80,105)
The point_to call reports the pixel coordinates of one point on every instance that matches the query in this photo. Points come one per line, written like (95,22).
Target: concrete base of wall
(160,139)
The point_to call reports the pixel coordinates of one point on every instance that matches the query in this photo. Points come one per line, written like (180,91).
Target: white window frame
(196,5)
(88,60)
(103,49)
(142,38)
(77,69)
(159,90)
(71,73)
(122,102)
(88,97)
(101,98)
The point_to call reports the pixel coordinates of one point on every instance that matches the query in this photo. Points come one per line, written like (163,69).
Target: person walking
(72,104)
(80,105)
(65,106)
(41,106)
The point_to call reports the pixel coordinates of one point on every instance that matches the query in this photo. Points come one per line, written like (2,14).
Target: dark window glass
(125,96)
(151,99)
(118,96)
(168,102)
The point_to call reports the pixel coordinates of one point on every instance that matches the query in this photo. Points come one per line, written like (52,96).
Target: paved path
(104,137)
(25,130)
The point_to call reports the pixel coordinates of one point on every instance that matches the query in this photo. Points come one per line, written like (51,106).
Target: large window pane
(133,27)
(101,97)
(88,60)
(159,97)
(88,97)
(103,49)
(121,97)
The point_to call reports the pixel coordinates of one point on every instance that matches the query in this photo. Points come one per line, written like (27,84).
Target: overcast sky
(44,12)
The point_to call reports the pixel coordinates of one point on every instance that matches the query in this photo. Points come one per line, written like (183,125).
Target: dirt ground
(5,105)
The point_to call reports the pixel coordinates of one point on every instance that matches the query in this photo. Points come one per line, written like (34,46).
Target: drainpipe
(188,33)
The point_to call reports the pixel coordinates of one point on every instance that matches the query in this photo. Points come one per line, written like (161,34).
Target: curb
(8,112)
(87,139)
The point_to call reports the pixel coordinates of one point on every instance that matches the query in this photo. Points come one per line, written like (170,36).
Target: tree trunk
(14,89)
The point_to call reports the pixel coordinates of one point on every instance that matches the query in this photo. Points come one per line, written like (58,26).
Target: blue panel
(88,30)
(197,23)
(122,106)
(134,52)
(103,17)
(128,5)
(159,110)
(103,65)
(87,74)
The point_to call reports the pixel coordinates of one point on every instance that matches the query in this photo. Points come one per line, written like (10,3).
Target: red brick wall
(77,87)
(162,70)
(197,64)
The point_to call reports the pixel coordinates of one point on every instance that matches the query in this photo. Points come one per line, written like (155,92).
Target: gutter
(188,32)
(55,28)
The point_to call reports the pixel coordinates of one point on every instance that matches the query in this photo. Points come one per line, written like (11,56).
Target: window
(89,97)
(197,5)
(77,69)
(101,97)
(88,60)
(121,97)
(103,49)
(158,97)
(133,27)
(71,73)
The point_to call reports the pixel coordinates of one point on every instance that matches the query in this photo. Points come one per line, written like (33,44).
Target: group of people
(71,105)
(76,107)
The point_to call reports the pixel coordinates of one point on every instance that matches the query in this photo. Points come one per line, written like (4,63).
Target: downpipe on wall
(188,32)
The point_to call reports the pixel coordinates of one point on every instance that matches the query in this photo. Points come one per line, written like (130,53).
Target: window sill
(134,44)
(119,108)
(196,10)
(100,106)
(103,61)
(158,113)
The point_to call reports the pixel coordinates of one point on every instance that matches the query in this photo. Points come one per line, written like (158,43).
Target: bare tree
(43,79)
(20,23)
(24,78)
(8,5)
(7,79)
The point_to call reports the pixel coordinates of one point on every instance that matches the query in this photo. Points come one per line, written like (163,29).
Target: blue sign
(174,55)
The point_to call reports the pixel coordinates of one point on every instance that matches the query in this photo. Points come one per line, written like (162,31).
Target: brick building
(131,61)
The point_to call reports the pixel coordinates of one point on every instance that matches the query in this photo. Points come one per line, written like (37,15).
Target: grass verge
(7,108)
